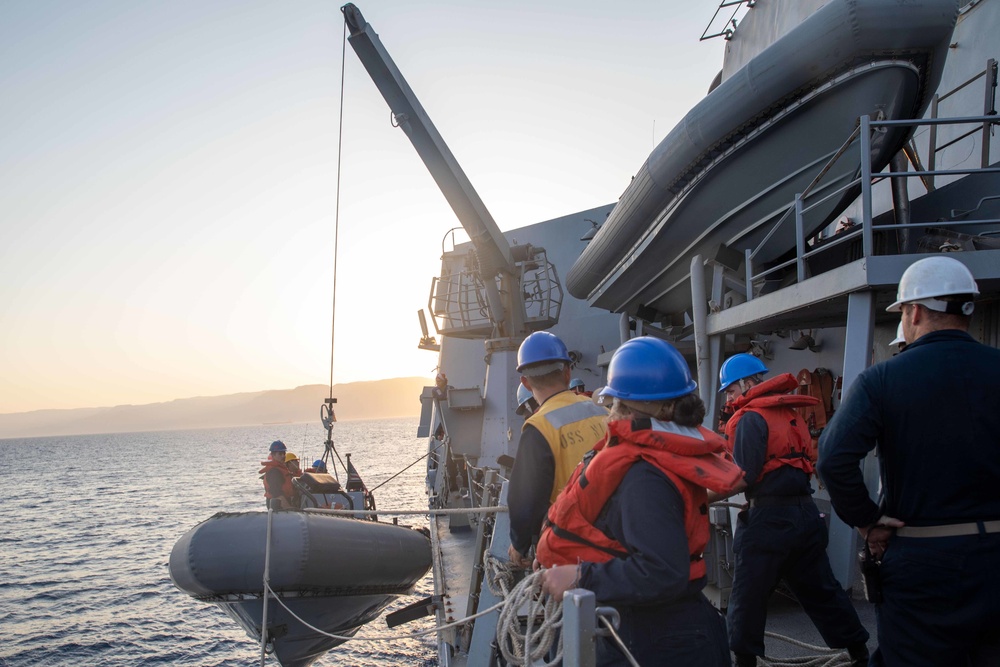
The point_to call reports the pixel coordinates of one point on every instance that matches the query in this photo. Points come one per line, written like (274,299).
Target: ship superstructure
(780,228)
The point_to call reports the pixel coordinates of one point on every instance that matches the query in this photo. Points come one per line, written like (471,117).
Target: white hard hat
(932,277)
(899,339)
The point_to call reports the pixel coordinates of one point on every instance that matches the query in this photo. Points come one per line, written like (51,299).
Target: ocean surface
(89,522)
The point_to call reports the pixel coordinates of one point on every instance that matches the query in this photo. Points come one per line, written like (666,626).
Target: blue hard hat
(575,382)
(648,369)
(319,465)
(541,347)
(739,366)
(523,395)
(278,446)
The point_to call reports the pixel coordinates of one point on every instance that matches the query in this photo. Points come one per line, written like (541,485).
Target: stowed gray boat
(335,573)
(729,170)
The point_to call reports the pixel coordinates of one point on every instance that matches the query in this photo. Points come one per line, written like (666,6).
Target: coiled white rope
(829,657)
(498,575)
(542,624)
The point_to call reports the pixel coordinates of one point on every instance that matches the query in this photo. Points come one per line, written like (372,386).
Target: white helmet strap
(950,307)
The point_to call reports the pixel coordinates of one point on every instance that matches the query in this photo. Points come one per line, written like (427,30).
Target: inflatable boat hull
(336,574)
(732,167)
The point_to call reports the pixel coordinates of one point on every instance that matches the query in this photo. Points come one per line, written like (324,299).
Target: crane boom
(493,253)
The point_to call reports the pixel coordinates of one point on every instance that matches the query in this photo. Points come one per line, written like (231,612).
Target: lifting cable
(336,258)
(419,459)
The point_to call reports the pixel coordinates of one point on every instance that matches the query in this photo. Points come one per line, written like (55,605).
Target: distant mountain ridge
(397,397)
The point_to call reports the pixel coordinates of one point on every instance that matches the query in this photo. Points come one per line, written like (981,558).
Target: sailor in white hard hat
(899,342)
(934,414)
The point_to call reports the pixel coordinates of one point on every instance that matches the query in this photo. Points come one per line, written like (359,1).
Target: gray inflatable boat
(335,573)
(728,171)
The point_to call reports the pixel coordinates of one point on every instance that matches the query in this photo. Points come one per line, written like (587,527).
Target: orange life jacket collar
(691,464)
(788,439)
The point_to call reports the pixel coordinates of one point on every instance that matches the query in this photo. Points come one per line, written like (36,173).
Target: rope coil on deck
(543,621)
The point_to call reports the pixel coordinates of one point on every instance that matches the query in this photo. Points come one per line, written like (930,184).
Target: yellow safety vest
(572,425)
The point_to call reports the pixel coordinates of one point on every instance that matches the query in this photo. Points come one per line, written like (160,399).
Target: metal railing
(458,302)
(730,25)
(800,207)
(989,109)
(861,137)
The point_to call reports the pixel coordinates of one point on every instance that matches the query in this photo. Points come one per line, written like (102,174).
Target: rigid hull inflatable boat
(732,166)
(335,573)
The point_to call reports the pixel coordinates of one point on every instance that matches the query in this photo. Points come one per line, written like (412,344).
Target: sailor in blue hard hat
(633,524)
(577,385)
(277,478)
(526,403)
(737,372)
(553,440)
(782,535)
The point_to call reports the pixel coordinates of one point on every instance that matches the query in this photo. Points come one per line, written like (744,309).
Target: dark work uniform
(782,536)
(553,442)
(665,619)
(529,488)
(934,414)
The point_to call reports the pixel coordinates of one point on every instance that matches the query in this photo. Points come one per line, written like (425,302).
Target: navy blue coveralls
(934,414)
(782,536)
(665,619)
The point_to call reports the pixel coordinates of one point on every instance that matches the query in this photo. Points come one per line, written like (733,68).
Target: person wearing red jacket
(632,522)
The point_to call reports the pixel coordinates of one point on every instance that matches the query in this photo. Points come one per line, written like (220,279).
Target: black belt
(781,501)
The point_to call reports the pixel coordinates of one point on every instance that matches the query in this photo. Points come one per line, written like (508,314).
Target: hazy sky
(168,175)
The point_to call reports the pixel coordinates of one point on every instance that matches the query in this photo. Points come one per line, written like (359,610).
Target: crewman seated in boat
(526,403)
(635,532)
(278,488)
(318,466)
(553,439)
(292,463)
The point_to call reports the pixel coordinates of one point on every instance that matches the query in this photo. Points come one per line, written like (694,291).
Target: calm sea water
(90,521)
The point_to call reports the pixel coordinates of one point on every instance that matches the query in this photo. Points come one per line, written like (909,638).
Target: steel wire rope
(336,242)
(376,638)
(420,458)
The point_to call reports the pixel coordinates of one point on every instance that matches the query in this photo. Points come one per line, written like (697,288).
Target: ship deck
(453,570)
(452,552)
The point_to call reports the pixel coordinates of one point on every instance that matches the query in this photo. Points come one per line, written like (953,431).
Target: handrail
(989,109)
(728,32)
(863,133)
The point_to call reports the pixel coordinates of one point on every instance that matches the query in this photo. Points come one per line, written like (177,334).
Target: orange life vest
(691,464)
(788,439)
(287,490)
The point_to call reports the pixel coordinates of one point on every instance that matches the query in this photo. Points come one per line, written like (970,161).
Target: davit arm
(492,250)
